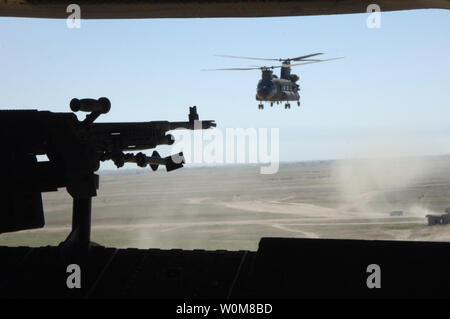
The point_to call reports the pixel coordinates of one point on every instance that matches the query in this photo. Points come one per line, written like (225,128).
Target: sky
(391,91)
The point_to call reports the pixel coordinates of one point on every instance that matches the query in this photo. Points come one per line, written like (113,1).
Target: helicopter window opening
(326,185)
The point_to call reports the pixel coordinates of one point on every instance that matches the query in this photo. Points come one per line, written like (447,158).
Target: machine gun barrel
(197,125)
(132,127)
(114,137)
(139,135)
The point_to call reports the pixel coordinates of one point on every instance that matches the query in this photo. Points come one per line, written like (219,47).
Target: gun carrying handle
(102,105)
(96,107)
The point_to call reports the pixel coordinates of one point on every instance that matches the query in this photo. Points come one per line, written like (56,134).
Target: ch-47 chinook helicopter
(272,88)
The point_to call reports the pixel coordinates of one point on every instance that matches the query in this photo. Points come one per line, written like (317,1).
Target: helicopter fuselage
(273,89)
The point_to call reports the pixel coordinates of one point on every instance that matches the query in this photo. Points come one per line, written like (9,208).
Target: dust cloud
(383,176)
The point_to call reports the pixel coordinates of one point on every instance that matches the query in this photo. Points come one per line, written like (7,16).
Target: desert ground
(232,207)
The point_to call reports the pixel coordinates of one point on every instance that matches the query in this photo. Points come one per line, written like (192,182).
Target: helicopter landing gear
(287,106)
(260,106)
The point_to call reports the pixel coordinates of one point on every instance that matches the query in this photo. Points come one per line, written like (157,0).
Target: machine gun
(74,150)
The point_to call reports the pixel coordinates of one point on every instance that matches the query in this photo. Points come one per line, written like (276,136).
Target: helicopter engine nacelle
(294,77)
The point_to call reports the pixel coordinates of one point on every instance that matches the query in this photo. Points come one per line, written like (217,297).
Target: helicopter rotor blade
(233,69)
(309,62)
(299,58)
(245,57)
(304,57)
